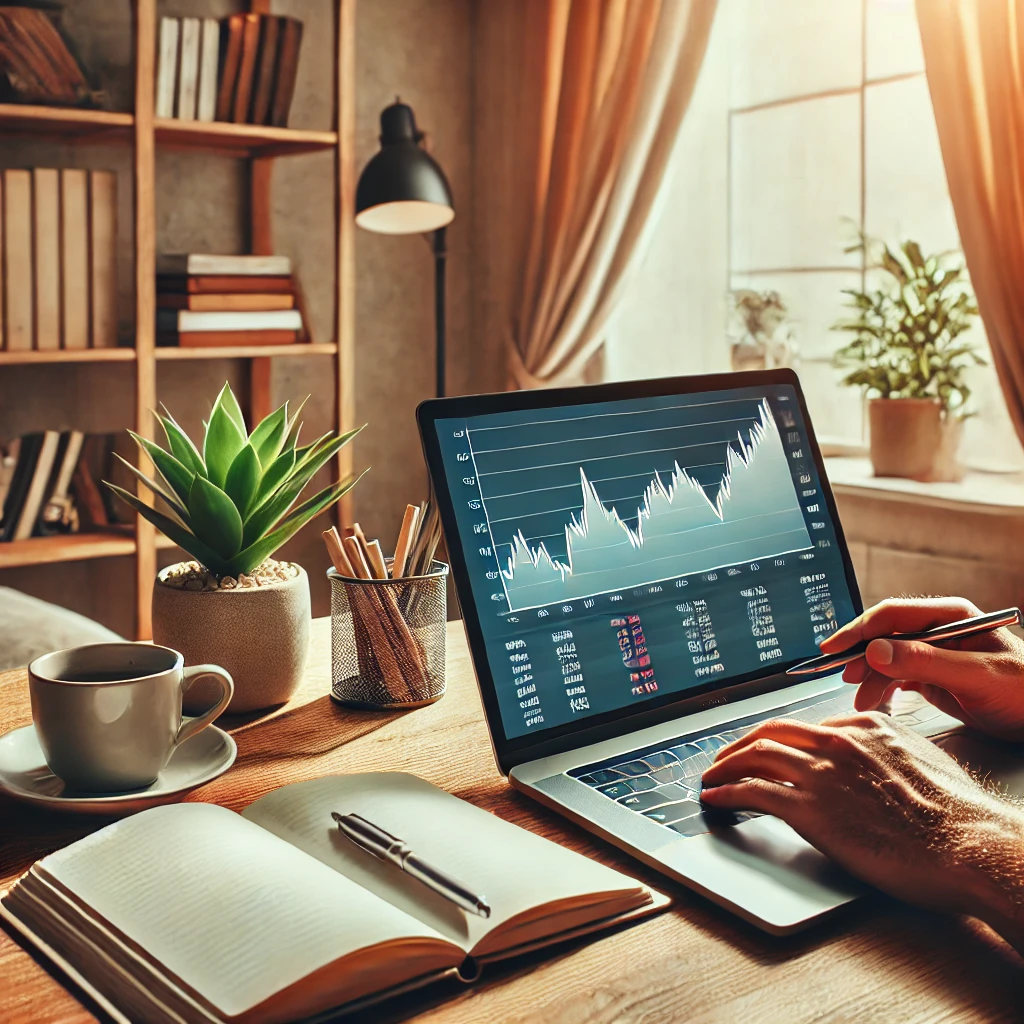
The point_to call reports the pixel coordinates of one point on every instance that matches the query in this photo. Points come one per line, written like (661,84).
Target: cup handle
(190,726)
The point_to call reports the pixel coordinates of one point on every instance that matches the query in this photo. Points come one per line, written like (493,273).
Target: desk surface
(878,961)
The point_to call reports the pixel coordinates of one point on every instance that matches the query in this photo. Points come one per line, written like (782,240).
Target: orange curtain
(578,106)
(974,59)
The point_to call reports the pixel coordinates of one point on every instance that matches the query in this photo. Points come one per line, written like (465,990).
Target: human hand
(978,679)
(889,806)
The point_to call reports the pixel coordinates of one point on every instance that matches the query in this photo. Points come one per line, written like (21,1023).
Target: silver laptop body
(637,565)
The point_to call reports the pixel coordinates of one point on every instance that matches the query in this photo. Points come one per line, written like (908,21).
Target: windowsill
(998,493)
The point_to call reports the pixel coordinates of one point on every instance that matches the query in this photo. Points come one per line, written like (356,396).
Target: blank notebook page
(229,908)
(514,869)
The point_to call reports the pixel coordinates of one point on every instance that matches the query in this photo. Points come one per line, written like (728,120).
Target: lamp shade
(402,190)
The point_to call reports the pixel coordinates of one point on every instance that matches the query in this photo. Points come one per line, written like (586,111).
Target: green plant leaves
(227,399)
(178,477)
(905,333)
(292,437)
(175,531)
(213,517)
(256,553)
(175,506)
(232,506)
(181,445)
(269,436)
(243,479)
(224,440)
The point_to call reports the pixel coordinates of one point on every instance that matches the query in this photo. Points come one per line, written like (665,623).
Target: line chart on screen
(580,505)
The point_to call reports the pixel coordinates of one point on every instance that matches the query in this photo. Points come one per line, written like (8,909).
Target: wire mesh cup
(387,639)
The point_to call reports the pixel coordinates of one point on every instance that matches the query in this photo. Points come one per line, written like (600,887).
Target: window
(810,121)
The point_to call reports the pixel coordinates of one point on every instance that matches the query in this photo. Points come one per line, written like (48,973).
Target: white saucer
(24,775)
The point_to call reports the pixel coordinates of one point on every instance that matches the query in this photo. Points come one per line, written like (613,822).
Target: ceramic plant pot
(914,438)
(260,635)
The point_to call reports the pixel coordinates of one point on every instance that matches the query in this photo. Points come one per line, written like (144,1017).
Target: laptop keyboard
(664,783)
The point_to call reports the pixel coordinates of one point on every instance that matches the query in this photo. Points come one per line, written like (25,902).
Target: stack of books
(50,483)
(206,300)
(59,259)
(241,69)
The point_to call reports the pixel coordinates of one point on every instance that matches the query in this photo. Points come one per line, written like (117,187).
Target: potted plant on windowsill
(231,504)
(909,357)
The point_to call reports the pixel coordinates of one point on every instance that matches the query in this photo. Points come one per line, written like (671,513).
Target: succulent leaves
(233,504)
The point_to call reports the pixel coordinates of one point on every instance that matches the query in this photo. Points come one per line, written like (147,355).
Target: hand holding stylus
(978,679)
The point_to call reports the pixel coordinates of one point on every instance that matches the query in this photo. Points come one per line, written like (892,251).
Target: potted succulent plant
(231,504)
(909,357)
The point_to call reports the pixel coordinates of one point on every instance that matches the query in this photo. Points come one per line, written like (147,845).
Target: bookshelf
(259,146)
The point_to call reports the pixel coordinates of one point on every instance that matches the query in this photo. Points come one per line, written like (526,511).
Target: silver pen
(384,846)
(950,631)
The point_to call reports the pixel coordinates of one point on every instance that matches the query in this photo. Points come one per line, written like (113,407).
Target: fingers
(788,731)
(762,759)
(899,615)
(962,673)
(755,795)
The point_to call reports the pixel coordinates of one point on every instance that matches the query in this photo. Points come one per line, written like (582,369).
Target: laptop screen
(626,552)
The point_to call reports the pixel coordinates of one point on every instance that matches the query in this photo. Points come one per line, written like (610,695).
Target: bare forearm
(994,858)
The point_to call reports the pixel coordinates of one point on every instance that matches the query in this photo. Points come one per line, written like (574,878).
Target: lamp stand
(440,259)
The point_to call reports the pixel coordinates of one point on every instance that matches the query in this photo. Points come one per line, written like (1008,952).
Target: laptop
(638,564)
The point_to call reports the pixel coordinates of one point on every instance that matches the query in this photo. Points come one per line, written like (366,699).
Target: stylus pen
(950,631)
(384,846)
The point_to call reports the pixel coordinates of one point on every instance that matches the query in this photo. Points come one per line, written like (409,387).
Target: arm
(890,807)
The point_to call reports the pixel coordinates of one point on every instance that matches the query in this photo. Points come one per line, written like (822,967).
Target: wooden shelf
(240,139)
(325,348)
(19,119)
(72,355)
(72,547)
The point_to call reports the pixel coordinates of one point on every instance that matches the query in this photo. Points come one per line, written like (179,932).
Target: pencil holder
(387,639)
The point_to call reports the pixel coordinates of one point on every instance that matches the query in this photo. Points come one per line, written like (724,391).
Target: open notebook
(191,912)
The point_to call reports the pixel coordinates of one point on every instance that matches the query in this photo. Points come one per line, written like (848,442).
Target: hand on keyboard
(889,806)
(978,679)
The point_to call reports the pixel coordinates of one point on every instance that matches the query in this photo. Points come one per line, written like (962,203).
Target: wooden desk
(879,961)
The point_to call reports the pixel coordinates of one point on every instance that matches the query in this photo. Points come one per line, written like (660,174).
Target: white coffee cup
(108,716)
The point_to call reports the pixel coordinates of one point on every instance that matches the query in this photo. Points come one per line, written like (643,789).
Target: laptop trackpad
(763,870)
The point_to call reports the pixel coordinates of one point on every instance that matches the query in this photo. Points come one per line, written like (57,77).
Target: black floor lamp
(403,191)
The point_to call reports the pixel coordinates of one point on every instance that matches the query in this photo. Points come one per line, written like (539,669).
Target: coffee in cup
(108,716)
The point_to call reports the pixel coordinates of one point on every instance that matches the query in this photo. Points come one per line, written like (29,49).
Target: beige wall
(419,49)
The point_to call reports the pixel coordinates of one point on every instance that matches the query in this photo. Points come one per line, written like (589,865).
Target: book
(231,56)
(54,515)
(216,339)
(85,491)
(273,916)
(246,68)
(222,284)
(74,257)
(209,58)
(8,462)
(35,62)
(204,263)
(266,64)
(28,453)
(188,70)
(103,258)
(182,320)
(18,329)
(3,340)
(167,66)
(35,493)
(46,256)
(248,301)
(287,71)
